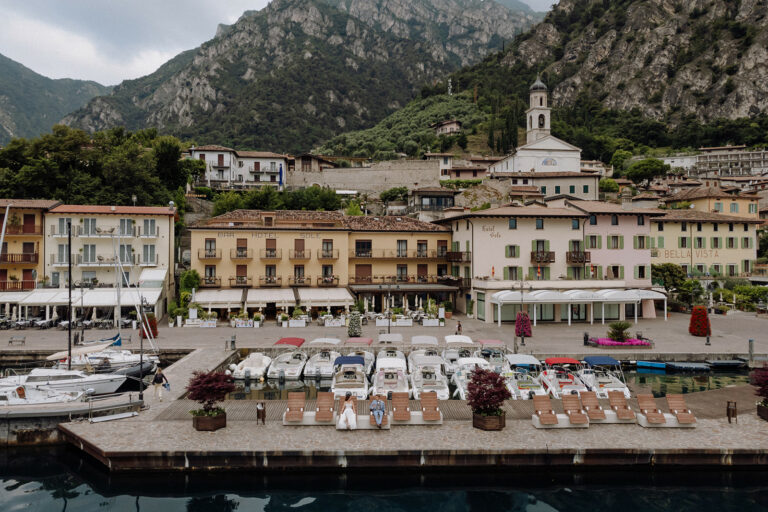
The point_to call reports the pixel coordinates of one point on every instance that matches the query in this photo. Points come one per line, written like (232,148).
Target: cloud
(109,41)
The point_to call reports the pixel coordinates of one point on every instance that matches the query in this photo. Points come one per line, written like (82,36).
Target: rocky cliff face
(300,71)
(668,58)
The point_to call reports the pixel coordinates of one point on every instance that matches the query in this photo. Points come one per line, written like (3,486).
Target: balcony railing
(328,281)
(24,230)
(241,253)
(405,253)
(209,254)
(542,257)
(578,257)
(269,281)
(12,285)
(459,256)
(327,254)
(240,281)
(20,257)
(148,262)
(362,253)
(300,281)
(303,254)
(271,254)
(61,262)
(151,233)
(210,282)
(361,280)
(104,261)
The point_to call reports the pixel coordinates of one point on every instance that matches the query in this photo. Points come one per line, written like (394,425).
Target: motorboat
(523,380)
(368,359)
(288,365)
(350,377)
(422,346)
(428,376)
(102,357)
(27,395)
(456,346)
(320,365)
(75,381)
(603,374)
(390,353)
(390,376)
(493,352)
(252,367)
(561,377)
(464,368)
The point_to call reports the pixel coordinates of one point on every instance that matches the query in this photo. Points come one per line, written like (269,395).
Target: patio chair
(619,405)
(385,418)
(543,410)
(677,406)
(649,411)
(592,406)
(572,408)
(324,407)
(296,405)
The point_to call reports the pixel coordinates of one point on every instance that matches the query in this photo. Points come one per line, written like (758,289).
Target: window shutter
(634,242)
(720,242)
(519,272)
(515,251)
(506,273)
(569,273)
(621,272)
(712,270)
(637,271)
(652,242)
(545,273)
(570,245)
(598,271)
(621,242)
(546,245)
(533,245)
(661,242)
(531,273)
(751,243)
(679,242)
(647,242)
(507,253)
(599,241)
(712,242)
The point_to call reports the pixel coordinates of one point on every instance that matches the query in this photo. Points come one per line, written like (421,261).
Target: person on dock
(377,409)
(458,327)
(348,416)
(159,380)
(261,413)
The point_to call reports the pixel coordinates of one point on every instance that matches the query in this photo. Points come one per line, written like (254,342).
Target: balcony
(300,281)
(304,254)
(13,286)
(578,257)
(542,257)
(25,230)
(150,262)
(61,262)
(270,281)
(209,254)
(240,281)
(20,257)
(327,254)
(210,282)
(361,280)
(458,256)
(363,253)
(423,254)
(271,254)
(241,253)
(328,281)
(152,233)
(103,261)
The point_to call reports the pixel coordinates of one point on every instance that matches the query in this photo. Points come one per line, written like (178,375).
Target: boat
(102,356)
(603,374)
(390,376)
(493,352)
(653,365)
(27,395)
(252,367)
(350,377)
(422,346)
(560,377)
(288,365)
(676,366)
(67,380)
(726,364)
(464,368)
(456,346)
(368,358)
(523,379)
(390,353)
(428,376)
(320,365)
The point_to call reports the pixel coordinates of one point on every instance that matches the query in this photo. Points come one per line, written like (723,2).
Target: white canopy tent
(326,297)
(260,297)
(219,299)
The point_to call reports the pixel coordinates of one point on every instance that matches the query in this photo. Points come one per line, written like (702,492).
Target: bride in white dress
(348,417)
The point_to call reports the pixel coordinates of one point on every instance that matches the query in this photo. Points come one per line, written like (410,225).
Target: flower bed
(607,342)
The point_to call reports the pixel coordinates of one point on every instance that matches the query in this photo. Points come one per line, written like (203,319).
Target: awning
(219,298)
(13,297)
(601,361)
(650,294)
(152,277)
(403,288)
(41,297)
(618,296)
(260,297)
(560,360)
(349,360)
(325,341)
(107,297)
(325,297)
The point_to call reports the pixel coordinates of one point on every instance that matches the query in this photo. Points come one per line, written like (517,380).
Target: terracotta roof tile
(211,147)
(518,211)
(390,223)
(704,193)
(258,154)
(561,174)
(603,207)
(699,216)
(114,210)
(44,204)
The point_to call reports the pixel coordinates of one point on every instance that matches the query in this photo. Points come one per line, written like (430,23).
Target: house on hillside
(447,127)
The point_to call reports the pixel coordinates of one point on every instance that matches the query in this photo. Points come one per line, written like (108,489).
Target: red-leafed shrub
(759,379)
(152,321)
(487,391)
(699,325)
(208,388)
(523,325)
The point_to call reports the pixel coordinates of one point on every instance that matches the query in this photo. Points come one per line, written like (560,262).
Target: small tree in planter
(759,379)
(209,388)
(699,325)
(523,326)
(619,331)
(152,321)
(355,329)
(487,391)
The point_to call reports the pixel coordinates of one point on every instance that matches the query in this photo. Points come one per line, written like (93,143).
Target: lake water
(63,480)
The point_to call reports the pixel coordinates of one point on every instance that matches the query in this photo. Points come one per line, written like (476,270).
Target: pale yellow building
(705,244)
(715,200)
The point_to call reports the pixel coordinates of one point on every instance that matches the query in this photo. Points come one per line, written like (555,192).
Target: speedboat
(102,357)
(560,377)
(523,378)
(350,377)
(368,359)
(493,352)
(252,367)
(288,365)
(422,346)
(464,368)
(603,374)
(390,353)
(320,365)
(428,376)
(390,376)
(75,381)
(26,395)
(456,346)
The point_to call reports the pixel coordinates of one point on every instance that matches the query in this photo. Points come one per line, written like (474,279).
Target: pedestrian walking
(159,381)
(458,327)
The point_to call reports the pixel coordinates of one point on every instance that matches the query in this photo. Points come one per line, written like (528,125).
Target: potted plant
(207,389)
(150,320)
(487,391)
(355,329)
(257,318)
(760,381)
(284,319)
(699,325)
(448,309)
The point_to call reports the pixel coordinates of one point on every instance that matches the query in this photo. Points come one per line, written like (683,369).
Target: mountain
(31,103)
(515,5)
(300,71)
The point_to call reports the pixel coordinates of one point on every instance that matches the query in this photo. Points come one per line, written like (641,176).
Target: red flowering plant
(150,320)
(487,391)
(207,389)
(759,379)
(523,325)
(700,325)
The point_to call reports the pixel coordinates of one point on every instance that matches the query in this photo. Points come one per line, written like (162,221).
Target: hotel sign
(686,253)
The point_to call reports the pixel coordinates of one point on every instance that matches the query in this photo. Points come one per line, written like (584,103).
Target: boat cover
(560,360)
(601,361)
(359,341)
(325,341)
(423,340)
(349,360)
(458,338)
(522,360)
(296,342)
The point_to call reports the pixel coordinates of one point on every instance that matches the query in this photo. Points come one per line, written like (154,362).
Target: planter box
(240,323)
(192,322)
(762,411)
(209,423)
(448,314)
(403,322)
(431,322)
(335,322)
(297,323)
(207,323)
(256,325)
(489,422)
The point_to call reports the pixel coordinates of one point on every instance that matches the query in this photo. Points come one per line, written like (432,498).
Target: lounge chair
(385,419)
(401,407)
(544,416)
(649,415)
(324,409)
(430,411)
(680,410)
(620,408)
(297,402)
(572,408)
(592,406)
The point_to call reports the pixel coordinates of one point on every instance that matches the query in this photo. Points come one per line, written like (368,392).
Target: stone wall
(373,180)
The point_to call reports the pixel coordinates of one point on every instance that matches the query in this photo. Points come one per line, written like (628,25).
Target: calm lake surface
(61,480)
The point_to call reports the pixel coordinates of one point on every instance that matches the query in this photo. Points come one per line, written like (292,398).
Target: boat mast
(69,279)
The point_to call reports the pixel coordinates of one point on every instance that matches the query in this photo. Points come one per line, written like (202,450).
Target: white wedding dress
(348,418)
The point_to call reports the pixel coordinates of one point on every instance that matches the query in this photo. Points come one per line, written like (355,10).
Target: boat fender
(281,376)
(232,367)
(531,394)
(21,392)
(227,372)
(247,374)
(574,392)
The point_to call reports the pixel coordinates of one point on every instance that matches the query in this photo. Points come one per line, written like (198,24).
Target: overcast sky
(112,40)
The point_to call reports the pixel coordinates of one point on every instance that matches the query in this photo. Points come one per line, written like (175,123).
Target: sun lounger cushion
(324,407)
(401,409)
(429,408)
(543,408)
(648,407)
(619,404)
(592,405)
(572,407)
(677,406)
(296,405)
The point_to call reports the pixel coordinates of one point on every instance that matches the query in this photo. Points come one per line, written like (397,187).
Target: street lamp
(389,292)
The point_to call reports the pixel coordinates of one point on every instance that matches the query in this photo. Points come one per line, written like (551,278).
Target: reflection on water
(661,383)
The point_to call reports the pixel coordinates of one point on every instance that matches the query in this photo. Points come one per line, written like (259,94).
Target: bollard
(731,411)
(707,343)
(232,342)
(586,339)
(751,349)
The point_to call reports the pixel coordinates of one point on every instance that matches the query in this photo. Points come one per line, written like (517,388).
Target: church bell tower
(538,113)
